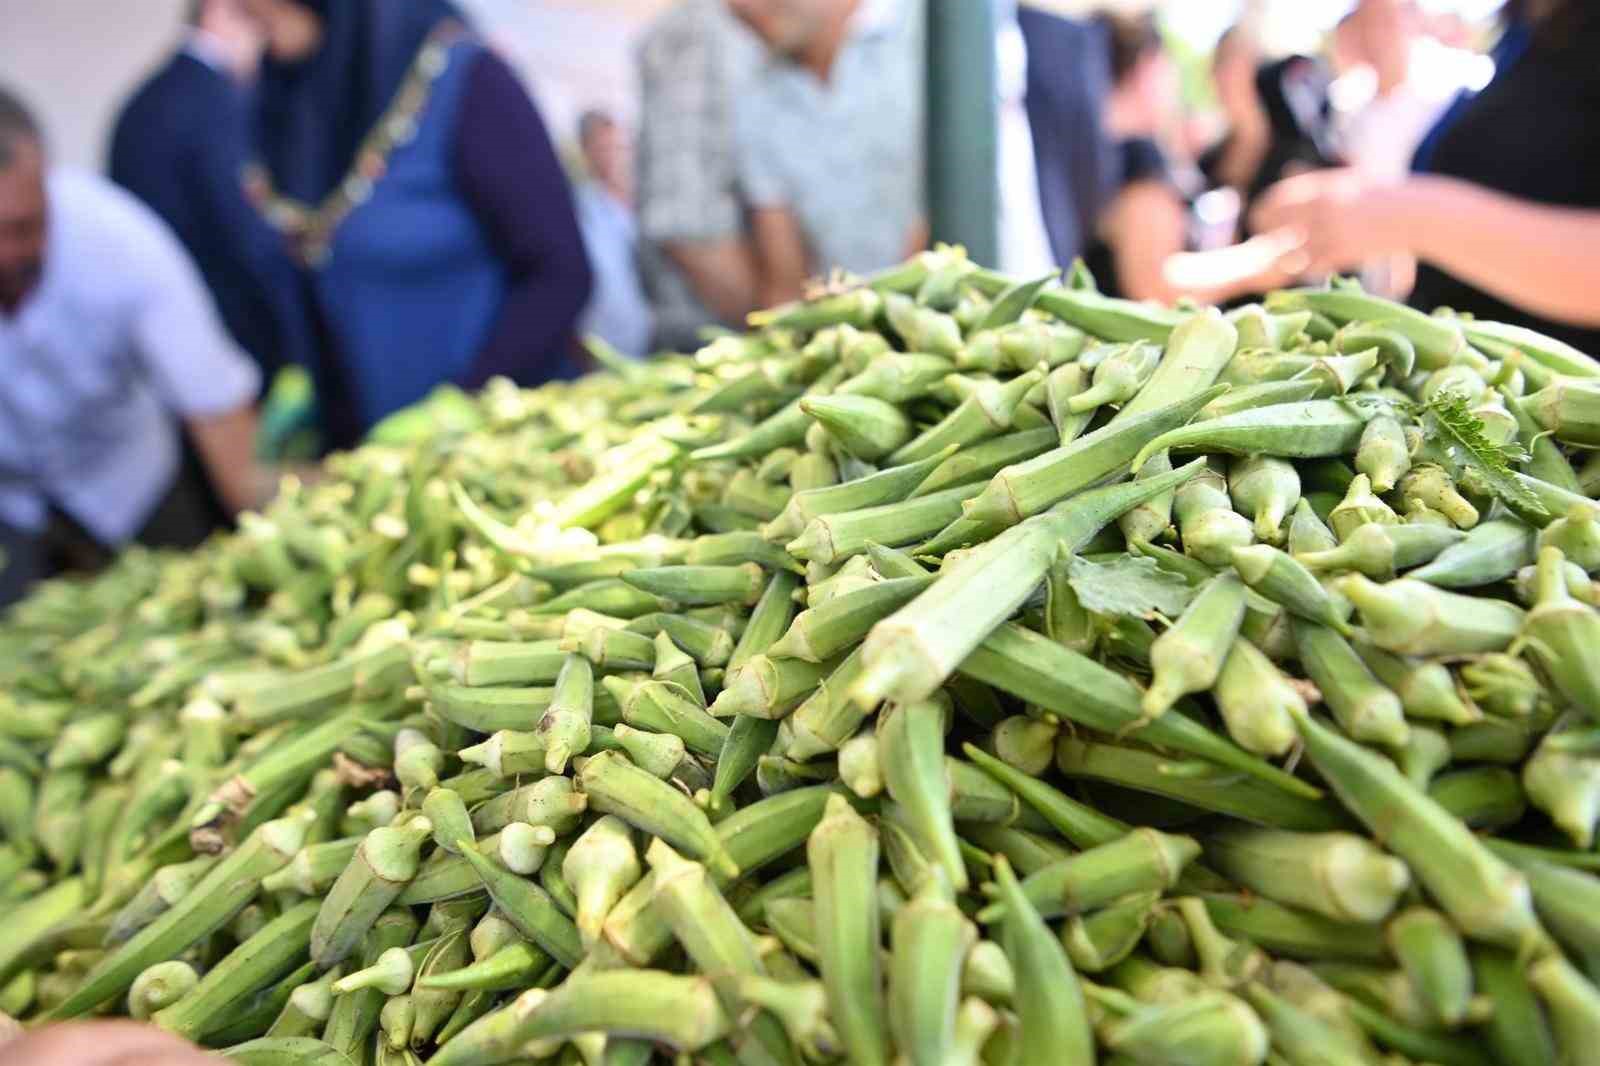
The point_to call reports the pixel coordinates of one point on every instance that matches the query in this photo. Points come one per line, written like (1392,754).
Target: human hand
(1332,220)
(102,1044)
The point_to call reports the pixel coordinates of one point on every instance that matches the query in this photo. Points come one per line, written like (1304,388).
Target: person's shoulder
(1039,21)
(94,212)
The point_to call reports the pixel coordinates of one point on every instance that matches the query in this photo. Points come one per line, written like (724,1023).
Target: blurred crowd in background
(363,194)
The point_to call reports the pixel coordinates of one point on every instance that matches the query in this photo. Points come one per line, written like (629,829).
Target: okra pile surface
(952,670)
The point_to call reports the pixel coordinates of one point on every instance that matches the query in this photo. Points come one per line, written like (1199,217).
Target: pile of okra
(952,670)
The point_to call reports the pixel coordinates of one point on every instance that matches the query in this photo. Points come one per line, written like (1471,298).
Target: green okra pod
(663,708)
(929,939)
(866,427)
(1432,954)
(715,938)
(601,866)
(1490,552)
(615,786)
(1188,657)
(1142,861)
(1285,581)
(566,727)
(1196,783)
(842,853)
(1339,875)
(911,740)
(1414,618)
(1048,997)
(1256,701)
(1365,708)
(987,412)
(1306,430)
(1265,489)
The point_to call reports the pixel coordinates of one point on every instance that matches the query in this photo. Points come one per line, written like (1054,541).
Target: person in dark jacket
(181,145)
(417,181)
(1502,209)
(1068,80)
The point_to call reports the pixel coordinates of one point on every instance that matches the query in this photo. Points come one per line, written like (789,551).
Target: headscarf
(315,113)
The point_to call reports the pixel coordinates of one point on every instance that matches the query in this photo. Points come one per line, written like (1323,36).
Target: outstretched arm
(1544,259)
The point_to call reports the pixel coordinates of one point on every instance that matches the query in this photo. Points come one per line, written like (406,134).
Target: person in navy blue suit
(1068,83)
(181,145)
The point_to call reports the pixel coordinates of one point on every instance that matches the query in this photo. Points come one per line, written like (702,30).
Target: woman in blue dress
(419,187)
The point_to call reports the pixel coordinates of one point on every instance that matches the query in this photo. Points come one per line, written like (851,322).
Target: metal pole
(963,183)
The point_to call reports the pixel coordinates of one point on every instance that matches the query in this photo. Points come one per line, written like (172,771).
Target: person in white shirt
(109,342)
(618,311)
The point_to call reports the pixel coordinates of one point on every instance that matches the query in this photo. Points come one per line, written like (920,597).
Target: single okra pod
(1432,954)
(987,412)
(160,986)
(1490,552)
(1431,485)
(681,1012)
(1560,631)
(747,740)
(1426,689)
(664,708)
(1189,655)
(1118,377)
(822,632)
(447,813)
(486,662)
(929,939)
(1379,551)
(549,801)
(1382,454)
(1256,701)
(1360,507)
(659,753)
(566,726)
(866,427)
(766,686)
(911,741)
(1365,708)
(1099,941)
(1142,861)
(1572,1002)
(885,487)
(1211,1027)
(1340,875)
(1265,489)
(615,786)
(1307,430)
(1414,618)
(248,967)
(387,859)
(843,855)
(716,940)
(601,866)
(1048,998)
(675,668)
